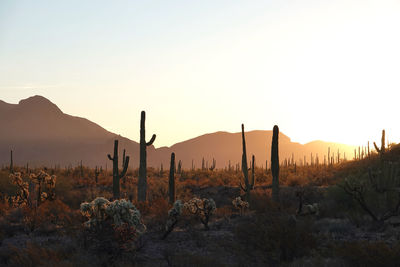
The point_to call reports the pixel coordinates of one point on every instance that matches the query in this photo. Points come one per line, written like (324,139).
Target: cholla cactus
(173,215)
(241,205)
(38,178)
(123,211)
(22,197)
(203,208)
(95,211)
(176,209)
(120,211)
(311,209)
(45,182)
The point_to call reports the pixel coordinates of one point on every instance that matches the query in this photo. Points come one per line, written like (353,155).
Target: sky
(320,70)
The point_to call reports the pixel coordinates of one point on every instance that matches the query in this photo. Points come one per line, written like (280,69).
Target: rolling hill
(39,133)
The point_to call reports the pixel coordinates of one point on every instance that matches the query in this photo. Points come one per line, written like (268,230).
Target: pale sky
(327,70)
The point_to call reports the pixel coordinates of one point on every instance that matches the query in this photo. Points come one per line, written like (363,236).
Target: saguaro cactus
(96,175)
(214,164)
(171,181)
(275,164)
(123,158)
(142,184)
(248,185)
(381,151)
(253,159)
(116,175)
(11,162)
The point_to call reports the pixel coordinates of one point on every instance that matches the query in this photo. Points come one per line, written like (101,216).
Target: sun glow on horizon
(321,70)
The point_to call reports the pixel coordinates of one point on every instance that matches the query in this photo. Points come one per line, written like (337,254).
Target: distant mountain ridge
(39,133)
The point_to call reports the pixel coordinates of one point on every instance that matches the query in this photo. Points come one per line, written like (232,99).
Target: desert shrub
(224,212)
(35,255)
(364,253)
(10,223)
(54,216)
(261,202)
(157,214)
(376,192)
(191,259)
(331,225)
(279,236)
(337,203)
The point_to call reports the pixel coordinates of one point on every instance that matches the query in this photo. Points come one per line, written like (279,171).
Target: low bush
(365,253)
(279,236)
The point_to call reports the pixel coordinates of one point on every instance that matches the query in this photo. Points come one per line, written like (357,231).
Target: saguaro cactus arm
(171,179)
(382,149)
(252,172)
(124,170)
(153,138)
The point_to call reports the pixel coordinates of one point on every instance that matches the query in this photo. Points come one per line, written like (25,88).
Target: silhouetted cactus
(171,181)
(247,184)
(179,169)
(142,184)
(329,156)
(275,164)
(381,150)
(203,164)
(96,175)
(11,162)
(81,169)
(116,175)
(123,158)
(253,160)
(214,164)
(368,150)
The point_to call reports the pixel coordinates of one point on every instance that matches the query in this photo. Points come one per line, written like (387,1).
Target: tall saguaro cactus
(381,151)
(116,174)
(142,184)
(275,164)
(171,181)
(253,159)
(248,185)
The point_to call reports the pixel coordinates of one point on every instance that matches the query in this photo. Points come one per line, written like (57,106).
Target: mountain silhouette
(40,134)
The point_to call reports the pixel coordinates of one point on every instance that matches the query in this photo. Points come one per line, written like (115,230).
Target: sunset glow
(326,70)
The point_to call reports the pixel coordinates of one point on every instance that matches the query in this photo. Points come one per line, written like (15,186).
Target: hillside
(39,133)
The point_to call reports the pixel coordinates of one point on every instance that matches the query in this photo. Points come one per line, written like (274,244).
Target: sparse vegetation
(346,213)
